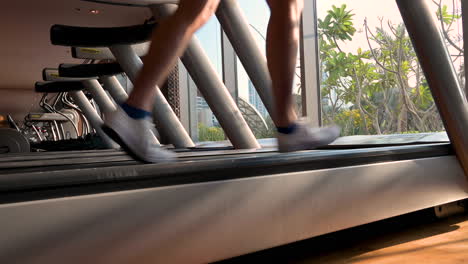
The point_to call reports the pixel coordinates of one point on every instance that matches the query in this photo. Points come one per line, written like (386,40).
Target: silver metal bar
(192,105)
(184,98)
(102,99)
(237,29)
(96,121)
(435,60)
(464,4)
(166,120)
(214,91)
(113,86)
(39,134)
(52,129)
(310,70)
(216,220)
(62,131)
(229,66)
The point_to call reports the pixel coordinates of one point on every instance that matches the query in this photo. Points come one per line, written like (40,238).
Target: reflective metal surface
(205,222)
(435,60)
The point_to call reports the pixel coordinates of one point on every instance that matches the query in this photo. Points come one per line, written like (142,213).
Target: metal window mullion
(310,70)
(184,98)
(464,4)
(229,63)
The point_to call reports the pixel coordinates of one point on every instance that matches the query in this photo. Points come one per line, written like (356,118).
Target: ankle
(134,112)
(287,129)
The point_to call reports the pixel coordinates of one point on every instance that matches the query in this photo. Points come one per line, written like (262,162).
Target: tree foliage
(210,133)
(379,90)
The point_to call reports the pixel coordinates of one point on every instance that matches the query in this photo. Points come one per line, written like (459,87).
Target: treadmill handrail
(88,70)
(58,86)
(52,75)
(140,3)
(64,35)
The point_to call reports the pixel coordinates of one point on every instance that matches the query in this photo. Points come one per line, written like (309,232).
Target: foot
(304,137)
(135,137)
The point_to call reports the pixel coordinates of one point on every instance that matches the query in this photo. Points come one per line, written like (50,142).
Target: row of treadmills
(101,206)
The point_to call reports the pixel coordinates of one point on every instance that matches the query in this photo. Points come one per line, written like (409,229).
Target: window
(371,81)
(203,124)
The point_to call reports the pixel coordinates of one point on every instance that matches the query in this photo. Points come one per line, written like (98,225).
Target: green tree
(382,89)
(210,133)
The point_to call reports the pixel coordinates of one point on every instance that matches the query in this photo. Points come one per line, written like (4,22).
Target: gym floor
(413,238)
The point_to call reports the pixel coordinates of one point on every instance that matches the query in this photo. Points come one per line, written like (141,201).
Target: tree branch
(373,52)
(442,24)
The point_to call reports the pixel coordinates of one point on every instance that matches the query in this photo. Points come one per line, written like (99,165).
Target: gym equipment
(206,208)
(197,63)
(75,89)
(105,102)
(13,141)
(170,126)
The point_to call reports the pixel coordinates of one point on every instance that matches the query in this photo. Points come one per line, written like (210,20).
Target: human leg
(281,48)
(129,124)
(168,42)
(282,45)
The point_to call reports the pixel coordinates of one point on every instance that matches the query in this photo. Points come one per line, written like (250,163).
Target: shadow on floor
(342,246)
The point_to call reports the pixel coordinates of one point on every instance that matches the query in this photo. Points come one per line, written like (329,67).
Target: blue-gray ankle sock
(287,130)
(135,113)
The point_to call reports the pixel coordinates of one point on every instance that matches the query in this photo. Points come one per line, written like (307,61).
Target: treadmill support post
(213,89)
(80,99)
(113,86)
(166,120)
(237,29)
(99,95)
(435,60)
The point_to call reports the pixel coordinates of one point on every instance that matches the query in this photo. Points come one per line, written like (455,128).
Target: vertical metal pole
(237,29)
(167,121)
(211,86)
(102,99)
(229,66)
(88,110)
(193,105)
(464,4)
(310,70)
(184,98)
(435,60)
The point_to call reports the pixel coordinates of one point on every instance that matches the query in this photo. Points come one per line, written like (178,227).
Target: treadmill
(103,207)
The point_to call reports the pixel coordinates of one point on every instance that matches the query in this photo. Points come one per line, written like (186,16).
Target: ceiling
(25,48)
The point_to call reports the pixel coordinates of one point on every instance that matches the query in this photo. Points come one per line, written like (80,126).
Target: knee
(291,8)
(195,13)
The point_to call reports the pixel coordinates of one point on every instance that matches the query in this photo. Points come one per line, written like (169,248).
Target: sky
(257,14)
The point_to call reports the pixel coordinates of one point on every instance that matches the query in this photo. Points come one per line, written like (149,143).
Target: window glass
(371,81)
(448,15)
(207,126)
(257,14)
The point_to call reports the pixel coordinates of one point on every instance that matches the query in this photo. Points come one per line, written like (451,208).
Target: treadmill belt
(75,177)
